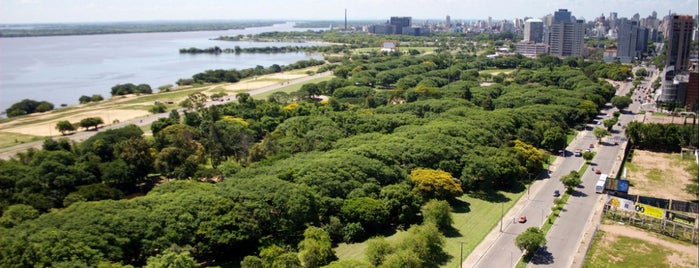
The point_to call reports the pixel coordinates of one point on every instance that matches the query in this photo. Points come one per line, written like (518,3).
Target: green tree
(609,123)
(426,243)
(16,214)
(554,139)
(378,249)
(621,102)
(571,180)
(157,108)
(371,213)
(600,133)
(402,203)
(437,212)
(588,156)
(91,122)
(172,259)
(64,126)
(530,240)
(316,248)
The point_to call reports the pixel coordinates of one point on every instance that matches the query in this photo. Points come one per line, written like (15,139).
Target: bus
(599,187)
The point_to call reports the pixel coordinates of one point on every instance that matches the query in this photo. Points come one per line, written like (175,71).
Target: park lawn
(626,252)
(11,139)
(473,219)
(290,88)
(496,71)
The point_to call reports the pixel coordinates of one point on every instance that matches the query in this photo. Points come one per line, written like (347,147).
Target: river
(60,69)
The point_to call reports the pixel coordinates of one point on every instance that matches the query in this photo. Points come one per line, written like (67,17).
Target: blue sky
(36,11)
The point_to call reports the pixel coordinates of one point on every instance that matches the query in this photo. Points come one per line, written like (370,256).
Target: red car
(522,219)
(598,171)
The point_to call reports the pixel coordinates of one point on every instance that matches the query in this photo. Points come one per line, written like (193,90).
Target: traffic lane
(536,209)
(561,245)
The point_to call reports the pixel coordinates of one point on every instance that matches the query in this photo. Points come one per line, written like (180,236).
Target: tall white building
(566,35)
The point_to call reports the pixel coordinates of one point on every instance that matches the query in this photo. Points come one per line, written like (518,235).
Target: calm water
(60,69)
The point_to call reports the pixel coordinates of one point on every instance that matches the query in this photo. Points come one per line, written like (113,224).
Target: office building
(530,49)
(565,37)
(534,31)
(679,36)
(632,40)
(400,23)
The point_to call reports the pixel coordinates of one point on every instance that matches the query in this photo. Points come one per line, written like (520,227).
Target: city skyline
(48,11)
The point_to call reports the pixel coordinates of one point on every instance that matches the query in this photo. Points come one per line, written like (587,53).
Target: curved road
(7,153)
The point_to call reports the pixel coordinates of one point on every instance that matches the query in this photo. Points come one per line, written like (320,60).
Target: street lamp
(461,253)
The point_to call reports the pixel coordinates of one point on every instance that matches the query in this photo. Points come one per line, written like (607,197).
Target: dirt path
(616,230)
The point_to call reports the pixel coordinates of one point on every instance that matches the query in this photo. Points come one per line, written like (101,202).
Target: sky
(50,11)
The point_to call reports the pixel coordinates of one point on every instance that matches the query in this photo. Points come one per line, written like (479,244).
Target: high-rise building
(632,40)
(679,36)
(400,23)
(566,35)
(448,21)
(534,31)
(562,16)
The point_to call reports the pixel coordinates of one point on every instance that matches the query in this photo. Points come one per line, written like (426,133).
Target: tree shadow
(578,194)
(490,196)
(516,187)
(451,232)
(460,206)
(542,256)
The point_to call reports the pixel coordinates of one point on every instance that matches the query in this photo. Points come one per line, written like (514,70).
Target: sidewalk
(484,246)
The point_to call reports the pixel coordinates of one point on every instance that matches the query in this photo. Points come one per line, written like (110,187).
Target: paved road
(6,153)
(564,238)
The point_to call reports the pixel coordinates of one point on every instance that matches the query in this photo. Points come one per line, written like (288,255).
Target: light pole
(461,254)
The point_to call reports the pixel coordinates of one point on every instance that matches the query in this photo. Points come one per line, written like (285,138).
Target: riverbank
(120,110)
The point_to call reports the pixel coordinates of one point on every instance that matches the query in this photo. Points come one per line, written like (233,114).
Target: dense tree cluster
(28,106)
(662,137)
(367,159)
(233,75)
(266,50)
(128,88)
(87,99)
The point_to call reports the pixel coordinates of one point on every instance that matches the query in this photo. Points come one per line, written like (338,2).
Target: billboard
(650,211)
(679,218)
(620,203)
(621,186)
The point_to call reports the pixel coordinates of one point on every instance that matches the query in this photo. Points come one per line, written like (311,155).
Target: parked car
(556,193)
(522,219)
(598,171)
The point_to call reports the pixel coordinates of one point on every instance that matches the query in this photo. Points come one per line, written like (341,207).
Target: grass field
(290,88)
(496,71)
(624,251)
(473,220)
(12,139)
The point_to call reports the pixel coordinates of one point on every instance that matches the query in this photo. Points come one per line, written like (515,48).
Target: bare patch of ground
(683,255)
(48,128)
(667,119)
(660,175)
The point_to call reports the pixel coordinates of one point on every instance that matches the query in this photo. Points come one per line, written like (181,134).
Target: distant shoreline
(73,29)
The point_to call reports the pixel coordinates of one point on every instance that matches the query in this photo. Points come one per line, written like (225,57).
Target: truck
(599,187)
